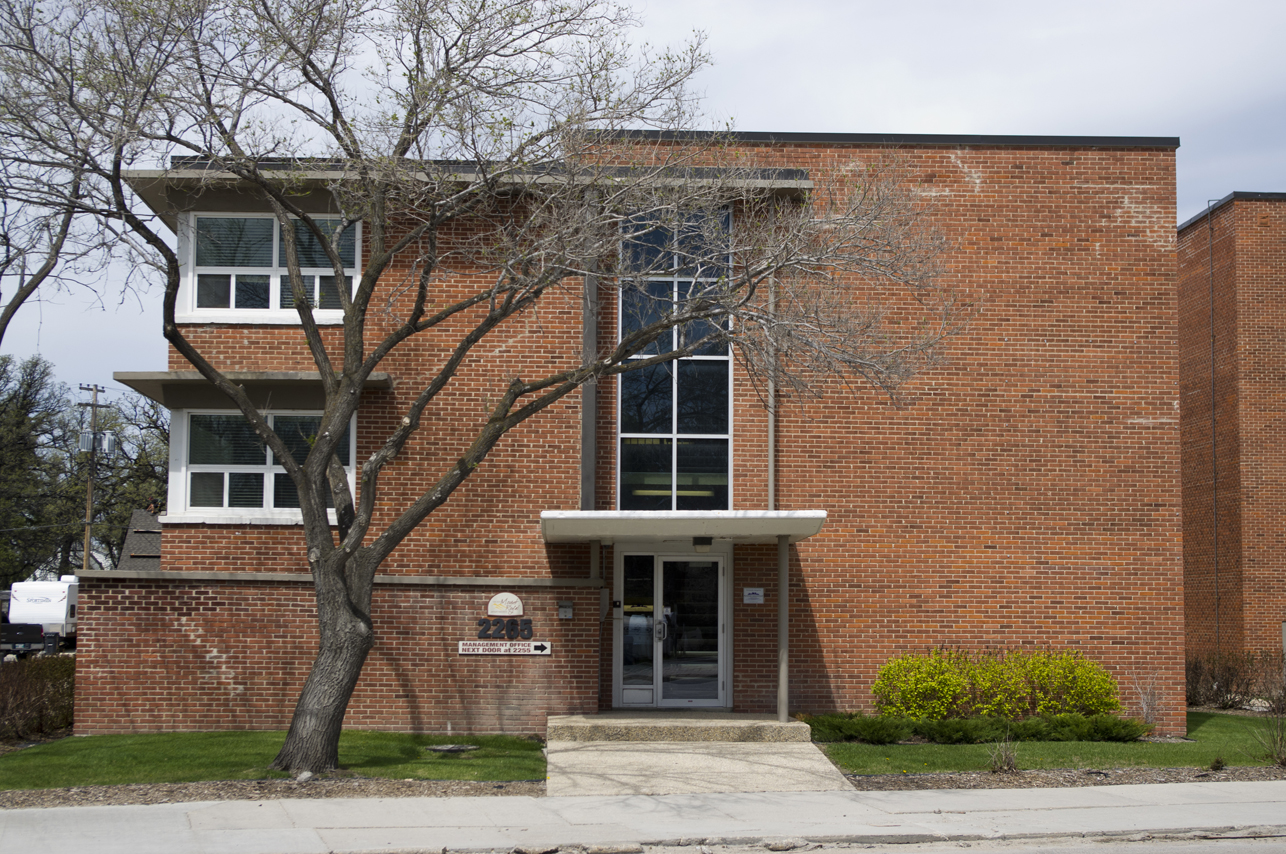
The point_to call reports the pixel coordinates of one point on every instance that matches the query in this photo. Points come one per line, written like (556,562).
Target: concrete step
(662,726)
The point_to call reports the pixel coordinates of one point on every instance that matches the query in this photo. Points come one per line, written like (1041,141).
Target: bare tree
(486,148)
(57,226)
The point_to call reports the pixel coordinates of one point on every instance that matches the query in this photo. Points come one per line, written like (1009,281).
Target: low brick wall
(166,655)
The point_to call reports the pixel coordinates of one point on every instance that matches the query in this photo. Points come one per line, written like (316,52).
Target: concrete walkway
(683,752)
(470,824)
(672,768)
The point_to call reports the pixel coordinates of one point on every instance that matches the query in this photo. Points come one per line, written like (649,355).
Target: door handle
(662,630)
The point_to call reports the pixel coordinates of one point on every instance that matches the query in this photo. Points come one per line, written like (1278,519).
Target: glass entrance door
(672,634)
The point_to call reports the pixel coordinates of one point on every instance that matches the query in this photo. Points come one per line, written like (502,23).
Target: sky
(1213,76)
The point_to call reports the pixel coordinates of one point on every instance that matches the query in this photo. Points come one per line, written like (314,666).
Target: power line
(75,524)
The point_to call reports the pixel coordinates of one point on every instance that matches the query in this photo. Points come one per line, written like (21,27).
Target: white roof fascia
(736,526)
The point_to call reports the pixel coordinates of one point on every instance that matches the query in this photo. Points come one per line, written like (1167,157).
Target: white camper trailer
(42,615)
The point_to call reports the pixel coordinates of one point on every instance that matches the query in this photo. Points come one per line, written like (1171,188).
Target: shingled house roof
(142,549)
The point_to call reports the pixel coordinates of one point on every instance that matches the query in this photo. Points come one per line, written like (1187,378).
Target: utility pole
(94,406)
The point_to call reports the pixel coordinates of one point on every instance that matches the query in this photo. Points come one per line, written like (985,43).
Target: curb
(769,843)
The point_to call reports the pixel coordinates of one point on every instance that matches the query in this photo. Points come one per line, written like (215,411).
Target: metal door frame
(661,552)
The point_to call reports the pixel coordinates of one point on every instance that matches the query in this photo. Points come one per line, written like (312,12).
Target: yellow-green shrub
(1010,684)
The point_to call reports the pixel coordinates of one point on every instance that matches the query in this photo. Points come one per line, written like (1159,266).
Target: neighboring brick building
(1029,496)
(1232,336)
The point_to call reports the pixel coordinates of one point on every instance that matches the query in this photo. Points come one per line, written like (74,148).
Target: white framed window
(235,269)
(220,472)
(674,420)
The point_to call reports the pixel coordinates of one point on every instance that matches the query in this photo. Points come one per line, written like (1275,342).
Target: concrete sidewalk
(464,824)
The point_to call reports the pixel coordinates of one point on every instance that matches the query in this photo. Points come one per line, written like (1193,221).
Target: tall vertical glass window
(674,423)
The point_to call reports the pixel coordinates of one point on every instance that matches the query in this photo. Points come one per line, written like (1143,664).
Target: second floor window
(239,265)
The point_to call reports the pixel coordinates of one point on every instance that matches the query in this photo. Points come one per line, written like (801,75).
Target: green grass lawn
(189,757)
(1229,737)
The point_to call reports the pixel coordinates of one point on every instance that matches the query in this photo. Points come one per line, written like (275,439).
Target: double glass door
(671,651)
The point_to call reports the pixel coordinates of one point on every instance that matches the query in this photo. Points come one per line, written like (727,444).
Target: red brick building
(1029,495)
(1232,317)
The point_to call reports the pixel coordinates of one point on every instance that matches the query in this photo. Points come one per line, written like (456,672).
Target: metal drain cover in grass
(452,748)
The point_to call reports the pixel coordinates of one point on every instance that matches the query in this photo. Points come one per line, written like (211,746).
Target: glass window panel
(245,489)
(284,493)
(647,246)
(300,431)
(637,607)
(233,242)
(703,396)
(311,251)
(643,305)
(328,294)
(287,296)
(703,244)
(252,291)
(207,489)
(647,400)
(213,291)
(645,474)
(702,467)
(698,330)
(223,440)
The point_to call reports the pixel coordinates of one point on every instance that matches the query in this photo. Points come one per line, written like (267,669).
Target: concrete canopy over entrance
(734,526)
(703,527)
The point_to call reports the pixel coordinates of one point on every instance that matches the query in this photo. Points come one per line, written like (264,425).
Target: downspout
(783,542)
(783,628)
(589,392)
(1214,438)
(772,403)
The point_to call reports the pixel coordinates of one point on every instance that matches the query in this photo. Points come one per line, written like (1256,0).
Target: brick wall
(1234,548)
(1029,495)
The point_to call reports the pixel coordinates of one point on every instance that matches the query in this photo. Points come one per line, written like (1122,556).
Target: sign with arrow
(498,647)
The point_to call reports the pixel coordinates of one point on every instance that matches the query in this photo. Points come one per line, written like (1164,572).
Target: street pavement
(615,824)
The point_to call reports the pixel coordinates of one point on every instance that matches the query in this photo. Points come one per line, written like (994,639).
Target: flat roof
(943,139)
(736,526)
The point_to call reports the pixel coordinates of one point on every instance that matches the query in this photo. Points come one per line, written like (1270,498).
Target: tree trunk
(312,744)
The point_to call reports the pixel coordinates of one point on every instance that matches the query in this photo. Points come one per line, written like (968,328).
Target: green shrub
(841,726)
(978,730)
(1013,685)
(36,696)
(929,686)
(962,730)
(876,730)
(826,728)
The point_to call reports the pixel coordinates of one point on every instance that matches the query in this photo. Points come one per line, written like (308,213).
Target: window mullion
(674,396)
